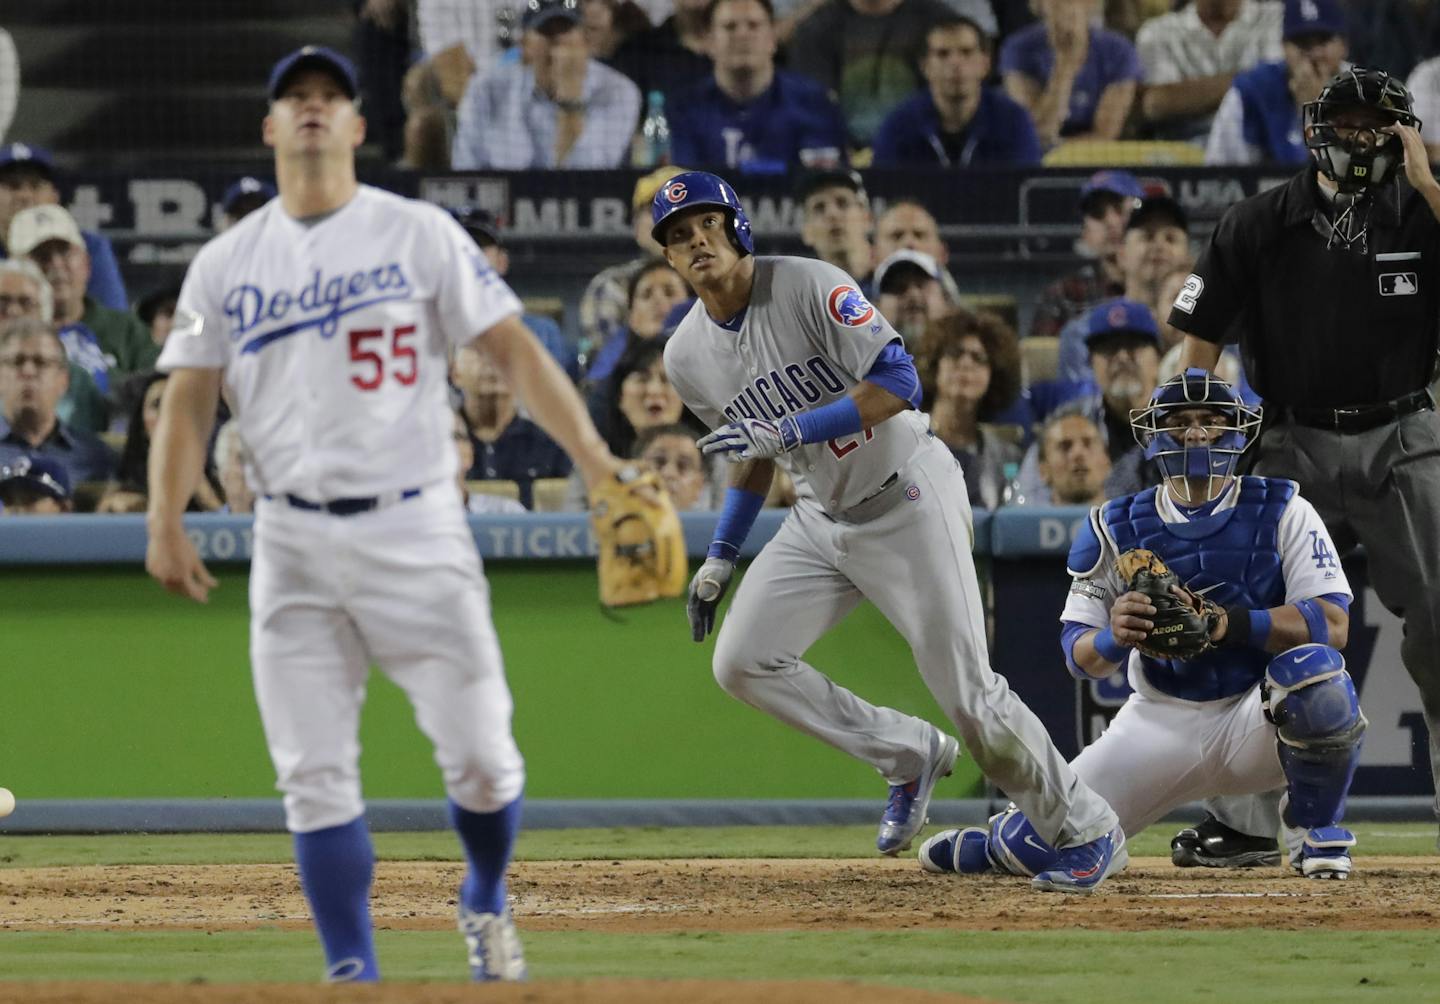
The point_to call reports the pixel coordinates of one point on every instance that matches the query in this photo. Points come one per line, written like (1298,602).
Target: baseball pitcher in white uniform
(789,363)
(1263,702)
(329,315)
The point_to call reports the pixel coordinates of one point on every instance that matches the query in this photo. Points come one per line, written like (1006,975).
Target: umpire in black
(1333,284)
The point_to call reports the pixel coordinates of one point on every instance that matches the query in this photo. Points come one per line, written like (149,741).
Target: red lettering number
(360,355)
(840,447)
(399,351)
(405,363)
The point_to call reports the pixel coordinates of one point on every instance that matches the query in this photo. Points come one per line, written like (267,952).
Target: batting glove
(752,439)
(707,589)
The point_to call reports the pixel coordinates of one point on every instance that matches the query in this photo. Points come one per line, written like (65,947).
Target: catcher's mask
(1228,430)
(1358,157)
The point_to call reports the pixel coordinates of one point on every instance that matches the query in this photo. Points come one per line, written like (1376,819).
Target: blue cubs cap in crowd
(1312,17)
(483,226)
(539,12)
(1121,183)
(319,56)
(1120,317)
(257,189)
(45,475)
(25,155)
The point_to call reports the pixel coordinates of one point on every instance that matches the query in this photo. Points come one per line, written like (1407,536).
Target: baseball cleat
(1326,853)
(962,851)
(1083,868)
(492,946)
(1212,844)
(905,811)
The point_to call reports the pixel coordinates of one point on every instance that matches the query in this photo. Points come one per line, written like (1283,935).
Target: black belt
(344,507)
(1362,418)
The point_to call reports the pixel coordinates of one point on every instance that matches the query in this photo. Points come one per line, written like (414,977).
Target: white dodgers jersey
(808,336)
(334,336)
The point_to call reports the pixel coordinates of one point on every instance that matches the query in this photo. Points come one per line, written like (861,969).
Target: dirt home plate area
(701,895)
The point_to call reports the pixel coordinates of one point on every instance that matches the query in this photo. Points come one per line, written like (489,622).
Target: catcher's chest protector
(1231,557)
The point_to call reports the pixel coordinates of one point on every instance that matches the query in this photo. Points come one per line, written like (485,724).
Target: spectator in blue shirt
(34,375)
(957,120)
(1078,80)
(27,178)
(747,114)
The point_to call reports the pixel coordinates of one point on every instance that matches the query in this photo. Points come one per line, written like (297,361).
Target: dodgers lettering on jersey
(334,338)
(809,335)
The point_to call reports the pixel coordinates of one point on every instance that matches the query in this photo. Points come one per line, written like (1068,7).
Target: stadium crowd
(815,90)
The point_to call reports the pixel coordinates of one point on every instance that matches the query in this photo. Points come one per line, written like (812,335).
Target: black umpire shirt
(1321,327)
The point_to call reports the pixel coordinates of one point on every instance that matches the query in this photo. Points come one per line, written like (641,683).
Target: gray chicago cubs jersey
(808,336)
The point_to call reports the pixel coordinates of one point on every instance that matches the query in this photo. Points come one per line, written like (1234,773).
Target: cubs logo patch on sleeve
(848,306)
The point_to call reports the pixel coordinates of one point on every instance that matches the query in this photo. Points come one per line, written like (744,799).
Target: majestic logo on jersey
(320,303)
(785,391)
(675,192)
(848,306)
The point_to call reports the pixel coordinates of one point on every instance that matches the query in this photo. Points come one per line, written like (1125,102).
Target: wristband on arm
(1107,647)
(737,516)
(840,417)
(1246,627)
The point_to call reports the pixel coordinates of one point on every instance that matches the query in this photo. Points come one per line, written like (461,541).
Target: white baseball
(7,802)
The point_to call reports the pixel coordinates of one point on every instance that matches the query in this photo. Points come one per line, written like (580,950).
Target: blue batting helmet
(697,188)
(1230,430)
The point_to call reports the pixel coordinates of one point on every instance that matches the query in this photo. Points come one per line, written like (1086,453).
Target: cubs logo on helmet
(675,192)
(694,189)
(848,306)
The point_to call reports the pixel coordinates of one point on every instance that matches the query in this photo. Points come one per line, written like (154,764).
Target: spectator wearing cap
(1156,246)
(1259,120)
(909,294)
(486,231)
(837,220)
(1077,80)
(605,304)
(34,486)
(1124,345)
(28,178)
(672,55)
(34,375)
(1191,57)
(866,52)
(242,197)
(561,110)
(957,120)
(747,114)
(109,344)
(25,295)
(1106,201)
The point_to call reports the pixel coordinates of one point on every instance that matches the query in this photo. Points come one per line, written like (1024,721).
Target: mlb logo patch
(1399,283)
(848,306)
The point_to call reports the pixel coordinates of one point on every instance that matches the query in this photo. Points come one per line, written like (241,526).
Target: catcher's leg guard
(1015,847)
(1319,727)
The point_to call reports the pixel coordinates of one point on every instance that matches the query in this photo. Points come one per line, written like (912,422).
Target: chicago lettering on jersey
(322,302)
(792,388)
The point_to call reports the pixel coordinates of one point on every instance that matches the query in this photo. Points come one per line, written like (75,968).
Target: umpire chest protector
(1231,557)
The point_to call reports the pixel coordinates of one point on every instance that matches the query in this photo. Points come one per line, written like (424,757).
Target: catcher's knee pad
(1319,727)
(1015,847)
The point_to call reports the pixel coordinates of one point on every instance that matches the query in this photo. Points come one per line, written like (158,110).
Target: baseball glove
(641,548)
(1183,620)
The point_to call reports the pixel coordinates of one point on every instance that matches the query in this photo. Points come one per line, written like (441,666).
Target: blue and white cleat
(905,812)
(1083,868)
(1326,853)
(963,851)
(493,946)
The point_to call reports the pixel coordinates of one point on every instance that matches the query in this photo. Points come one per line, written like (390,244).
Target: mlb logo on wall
(1399,284)
(848,306)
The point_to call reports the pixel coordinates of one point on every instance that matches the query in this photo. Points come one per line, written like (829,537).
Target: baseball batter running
(1222,596)
(328,315)
(789,363)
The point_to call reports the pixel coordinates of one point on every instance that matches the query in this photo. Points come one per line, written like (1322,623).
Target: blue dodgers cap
(1120,317)
(538,12)
(247,186)
(1312,17)
(1121,183)
(320,56)
(12,154)
(41,474)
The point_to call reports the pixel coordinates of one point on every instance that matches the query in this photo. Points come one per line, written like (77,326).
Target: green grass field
(1053,967)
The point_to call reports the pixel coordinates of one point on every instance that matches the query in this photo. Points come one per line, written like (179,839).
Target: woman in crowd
(132,475)
(654,292)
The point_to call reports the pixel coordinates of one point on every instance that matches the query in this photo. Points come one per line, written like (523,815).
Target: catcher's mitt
(1183,620)
(641,546)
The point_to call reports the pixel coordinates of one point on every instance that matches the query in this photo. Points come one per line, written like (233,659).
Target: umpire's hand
(171,559)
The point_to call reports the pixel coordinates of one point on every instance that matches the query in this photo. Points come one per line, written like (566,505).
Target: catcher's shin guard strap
(737,516)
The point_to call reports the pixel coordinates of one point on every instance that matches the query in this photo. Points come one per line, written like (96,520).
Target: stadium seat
(549,494)
(1124,153)
(504,489)
(1039,358)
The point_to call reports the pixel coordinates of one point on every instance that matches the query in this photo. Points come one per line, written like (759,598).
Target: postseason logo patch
(848,306)
(1088,587)
(1399,283)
